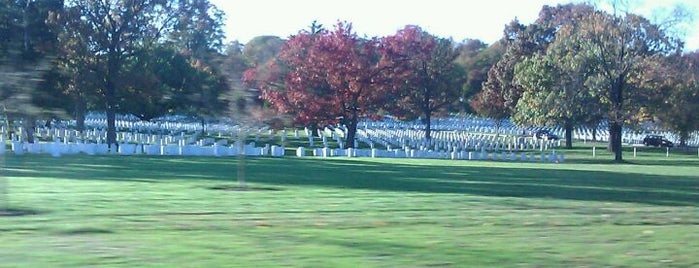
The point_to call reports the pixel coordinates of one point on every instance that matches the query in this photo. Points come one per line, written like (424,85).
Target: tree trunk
(111,129)
(351,130)
(29,124)
(111,115)
(617,97)
(428,126)
(615,140)
(684,135)
(110,98)
(80,114)
(427,96)
(594,134)
(569,135)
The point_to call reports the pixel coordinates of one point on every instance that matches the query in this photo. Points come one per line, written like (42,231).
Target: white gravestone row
(631,137)
(400,139)
(210,147)
(466,123)
(449,140)
(92,143)
(550,156)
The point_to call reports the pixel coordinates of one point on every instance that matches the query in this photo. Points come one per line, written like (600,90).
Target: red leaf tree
(325,77)
(427,80)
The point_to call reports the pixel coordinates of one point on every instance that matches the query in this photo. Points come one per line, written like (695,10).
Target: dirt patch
(86,230)
(17,212)
(237,188)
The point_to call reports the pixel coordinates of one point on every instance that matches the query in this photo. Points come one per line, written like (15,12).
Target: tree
(493,100)
(476,58)
(198,31)
(198,34)
(676,98)
(554,94)
(113,30)
(555,88)
(24,27)
(258,53)
(427,78)
(623,48)
(240,97)
(491,103)
(202,93)
(159,77)
(325,77)
(26,46)
(525,41)
(163,81)
(261,49)
(116,32)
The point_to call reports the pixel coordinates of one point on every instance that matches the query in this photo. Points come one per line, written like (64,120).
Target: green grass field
(138,211)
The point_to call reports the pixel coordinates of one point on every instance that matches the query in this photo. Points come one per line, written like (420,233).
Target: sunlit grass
(360,212)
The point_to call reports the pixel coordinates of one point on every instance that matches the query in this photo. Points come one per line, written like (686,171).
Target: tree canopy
(326,77)
(427,79)
(571,59)
(114,35)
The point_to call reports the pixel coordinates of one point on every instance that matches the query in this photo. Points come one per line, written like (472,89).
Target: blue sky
(459,20)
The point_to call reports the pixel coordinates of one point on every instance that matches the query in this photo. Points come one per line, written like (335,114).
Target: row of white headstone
(445,145)
(92,142)
(467,123)
(474,124)
(388,134)
(551,156)
(631,137)
(58,149)
(451,140)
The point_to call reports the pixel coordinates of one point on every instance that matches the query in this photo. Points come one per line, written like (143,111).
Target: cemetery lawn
(134,211)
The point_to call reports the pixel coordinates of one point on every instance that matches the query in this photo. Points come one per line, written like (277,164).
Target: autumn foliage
(427,81)
(325,77)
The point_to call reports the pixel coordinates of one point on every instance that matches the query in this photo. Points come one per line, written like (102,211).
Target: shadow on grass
(487,180)
(11,212)
(636,161)
(86,230)
(235,188)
